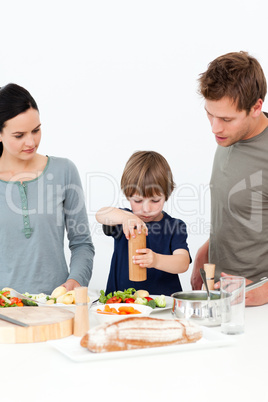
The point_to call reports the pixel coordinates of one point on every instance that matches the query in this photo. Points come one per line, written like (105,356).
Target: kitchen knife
(12,321)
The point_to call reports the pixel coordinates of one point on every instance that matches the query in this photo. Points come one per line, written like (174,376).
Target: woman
(39,197)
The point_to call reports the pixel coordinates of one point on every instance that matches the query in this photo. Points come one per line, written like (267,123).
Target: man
(234,89)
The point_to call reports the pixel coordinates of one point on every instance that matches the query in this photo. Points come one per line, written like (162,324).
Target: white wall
(112,77)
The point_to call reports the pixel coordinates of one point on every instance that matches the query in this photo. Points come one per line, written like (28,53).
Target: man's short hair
(235,75)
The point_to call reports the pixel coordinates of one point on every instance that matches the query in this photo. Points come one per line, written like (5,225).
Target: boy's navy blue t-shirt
(164,237)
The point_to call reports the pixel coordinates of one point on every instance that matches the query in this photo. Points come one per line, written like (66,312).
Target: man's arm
(200,259)
(254,297)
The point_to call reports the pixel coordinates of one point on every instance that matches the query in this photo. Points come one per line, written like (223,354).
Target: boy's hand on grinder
(146,259)
(131,223)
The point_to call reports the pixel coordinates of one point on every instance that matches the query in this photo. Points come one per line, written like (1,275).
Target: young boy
(147,183)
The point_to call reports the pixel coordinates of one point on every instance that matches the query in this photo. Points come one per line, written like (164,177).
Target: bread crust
(140,332)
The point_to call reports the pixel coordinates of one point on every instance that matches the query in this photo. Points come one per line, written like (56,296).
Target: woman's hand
(70,284)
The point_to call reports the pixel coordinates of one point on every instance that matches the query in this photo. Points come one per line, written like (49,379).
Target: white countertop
(237,372)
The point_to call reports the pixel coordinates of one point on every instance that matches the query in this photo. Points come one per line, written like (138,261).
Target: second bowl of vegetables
(120,304)
(132,295)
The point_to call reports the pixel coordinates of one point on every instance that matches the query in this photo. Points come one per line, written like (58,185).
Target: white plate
(43,300)
(71,348)
(169,301)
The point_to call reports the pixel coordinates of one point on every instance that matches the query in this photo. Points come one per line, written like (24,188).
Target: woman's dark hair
(13,101)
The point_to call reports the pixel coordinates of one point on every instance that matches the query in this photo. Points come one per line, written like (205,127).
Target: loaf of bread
(140,332)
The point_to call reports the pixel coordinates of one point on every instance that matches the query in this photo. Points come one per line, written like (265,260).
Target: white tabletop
(237,372)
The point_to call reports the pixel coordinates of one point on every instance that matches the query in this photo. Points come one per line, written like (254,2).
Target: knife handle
(256,284)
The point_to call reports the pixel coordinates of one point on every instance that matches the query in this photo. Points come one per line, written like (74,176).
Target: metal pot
(194,305)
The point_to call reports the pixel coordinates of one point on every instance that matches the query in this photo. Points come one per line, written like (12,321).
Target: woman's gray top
(33,218)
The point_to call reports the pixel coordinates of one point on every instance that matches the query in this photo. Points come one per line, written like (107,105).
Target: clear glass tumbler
(232,304)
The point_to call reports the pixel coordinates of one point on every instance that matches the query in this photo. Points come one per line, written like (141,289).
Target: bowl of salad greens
(132,295)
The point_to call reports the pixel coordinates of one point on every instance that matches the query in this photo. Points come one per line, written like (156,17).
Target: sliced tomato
(148,298)
(114,299)
(129,300)
(15,300)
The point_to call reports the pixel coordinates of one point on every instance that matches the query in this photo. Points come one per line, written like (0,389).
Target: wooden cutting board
(45,323)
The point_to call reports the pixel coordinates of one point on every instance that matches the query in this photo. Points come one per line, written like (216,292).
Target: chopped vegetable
(160,301)
(102,298)
(129,300)
(141,293)
(28,303)
(59,291)
(54,300)
(127,293)
(7,301)
(128,310)
(140,300)
(35,297)
(148,298)
(124,310)
(114,299)
(151,303)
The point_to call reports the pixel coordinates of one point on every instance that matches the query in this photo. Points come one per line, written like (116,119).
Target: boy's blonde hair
(147,174)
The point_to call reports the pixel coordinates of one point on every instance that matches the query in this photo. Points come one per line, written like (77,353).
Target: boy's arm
(114,216)
(176,263)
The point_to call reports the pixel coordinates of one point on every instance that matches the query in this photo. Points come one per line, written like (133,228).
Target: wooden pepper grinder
(136,273)
(210,272)
(81,319)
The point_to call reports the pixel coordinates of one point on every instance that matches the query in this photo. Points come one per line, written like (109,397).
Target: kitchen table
(234,372)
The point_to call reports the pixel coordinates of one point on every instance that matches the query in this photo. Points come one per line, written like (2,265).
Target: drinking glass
(233,304)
